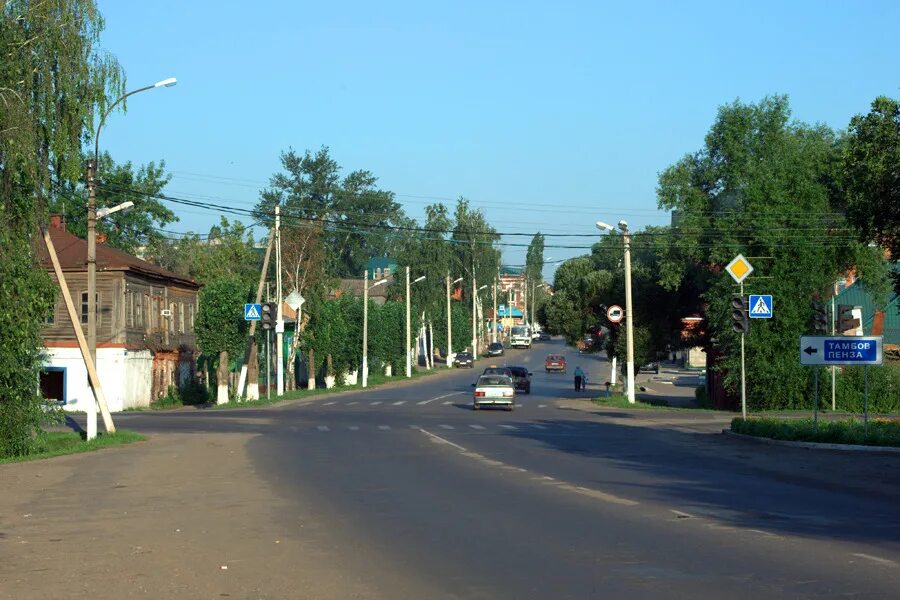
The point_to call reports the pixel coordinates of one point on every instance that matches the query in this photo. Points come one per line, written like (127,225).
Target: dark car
(652,367)
(521,377)
(495,349)
(464,359)
(544,336)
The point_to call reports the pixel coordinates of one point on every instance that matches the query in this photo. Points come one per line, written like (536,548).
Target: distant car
(494,390)
(652,367)
(521,377)
(464,359)
(555,362)
(495,349)
(544,336)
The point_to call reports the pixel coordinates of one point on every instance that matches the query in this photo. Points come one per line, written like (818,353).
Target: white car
(494,390)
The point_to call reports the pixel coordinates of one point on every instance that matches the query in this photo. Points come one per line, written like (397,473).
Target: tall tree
(763,186)
(53,80)
(220,326)
(131,230)
(871,175)
(355,215)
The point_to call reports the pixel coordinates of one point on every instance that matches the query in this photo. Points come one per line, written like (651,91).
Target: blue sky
(548,116)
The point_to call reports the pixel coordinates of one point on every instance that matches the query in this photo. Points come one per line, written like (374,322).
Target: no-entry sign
(615,314)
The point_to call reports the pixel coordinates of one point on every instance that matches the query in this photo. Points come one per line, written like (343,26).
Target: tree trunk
(311,371)
(206,373)
(329,372)
(222,379)
(253,373)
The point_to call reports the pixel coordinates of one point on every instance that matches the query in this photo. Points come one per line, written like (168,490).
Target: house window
(191,316)
(84,308)
(130,309)
(138,309)
(181,317)
(378,273)
(387,271)
(172,317)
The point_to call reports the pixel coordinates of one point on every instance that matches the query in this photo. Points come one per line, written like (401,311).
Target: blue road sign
(760,306)
(252,312)
(849,350)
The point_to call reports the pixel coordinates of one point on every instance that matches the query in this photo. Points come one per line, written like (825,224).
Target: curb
(812,445)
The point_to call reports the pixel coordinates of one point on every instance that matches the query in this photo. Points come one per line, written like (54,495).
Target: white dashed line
(877,559)
(352,403)
(353,428)
(376,403)
(447,402)
(329,403)
(542,406)
(323,428)
(508,426)
(446,426)
(536,426)
(399,402)
(476,426)
(384,427)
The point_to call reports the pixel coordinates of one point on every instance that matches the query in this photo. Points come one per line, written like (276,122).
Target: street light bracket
(604,226)
(166,82)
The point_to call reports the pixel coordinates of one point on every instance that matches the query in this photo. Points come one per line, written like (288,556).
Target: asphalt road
(556,502)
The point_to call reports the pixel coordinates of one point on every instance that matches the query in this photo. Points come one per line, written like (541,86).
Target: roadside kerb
(812,445)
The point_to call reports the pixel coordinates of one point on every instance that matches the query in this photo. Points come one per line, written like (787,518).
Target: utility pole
(833,332)
(629,319)
(474,324)
(494,320)
(268,352)
(92,284)
(449,326)
(408,358)
(279,322)
(365,348)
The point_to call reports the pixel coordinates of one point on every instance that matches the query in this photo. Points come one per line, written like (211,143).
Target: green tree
(220,326)
(871,176)
(130,230)
(387,334)
(53,80)
(762,186)
(356,215)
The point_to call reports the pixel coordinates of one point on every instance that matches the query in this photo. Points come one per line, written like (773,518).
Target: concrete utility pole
(449,326)
(494,319)
(474,324)
(629,315)
(251,395)
(279,319)
(365,348)
(408,342)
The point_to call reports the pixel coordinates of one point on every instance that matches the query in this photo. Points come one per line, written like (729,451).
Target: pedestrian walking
(580,379)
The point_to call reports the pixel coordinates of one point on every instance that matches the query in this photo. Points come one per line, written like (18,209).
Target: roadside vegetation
(58,443)
(621,401)
(881,431)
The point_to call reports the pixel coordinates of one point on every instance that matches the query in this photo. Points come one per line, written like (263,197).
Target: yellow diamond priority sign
(739,268)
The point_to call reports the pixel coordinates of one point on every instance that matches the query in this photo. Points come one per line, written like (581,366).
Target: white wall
(124,375)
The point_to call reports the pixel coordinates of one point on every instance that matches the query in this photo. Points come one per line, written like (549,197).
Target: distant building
(381,267)
(145,327)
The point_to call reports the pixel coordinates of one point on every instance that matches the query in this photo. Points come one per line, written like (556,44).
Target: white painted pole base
(91,418)
(629,367)
(613,372)
(329,381)
(351,378)
(389,371)
(222,394)
(252,391)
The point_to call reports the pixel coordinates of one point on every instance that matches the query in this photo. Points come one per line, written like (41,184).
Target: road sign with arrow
(836,350)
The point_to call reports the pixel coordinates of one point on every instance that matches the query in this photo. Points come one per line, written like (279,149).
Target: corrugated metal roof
(858,295)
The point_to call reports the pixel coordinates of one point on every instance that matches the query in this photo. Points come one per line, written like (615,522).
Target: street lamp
(92,243)
(449,320)
(629,314)
(408,342)
(475,318)
(366,288)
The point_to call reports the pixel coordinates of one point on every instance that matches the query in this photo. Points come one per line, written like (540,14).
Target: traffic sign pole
(743,369)
(816,394)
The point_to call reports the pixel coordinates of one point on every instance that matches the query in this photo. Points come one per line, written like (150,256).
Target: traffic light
(269,315)
(740,314)
(820,318)
(845,320)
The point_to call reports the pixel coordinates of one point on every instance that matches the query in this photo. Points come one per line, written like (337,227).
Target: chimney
(57,222)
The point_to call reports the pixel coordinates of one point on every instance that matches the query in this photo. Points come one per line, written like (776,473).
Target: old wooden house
(145,327)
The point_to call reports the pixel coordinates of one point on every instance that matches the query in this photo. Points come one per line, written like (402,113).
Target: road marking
(542,406)
(384,427)
(376,403)
(508,426)
(414,427)
(441,398)
(443,441)
(682,515)
(597,494)
(447,402)
(476,426)
(536,426)
(323,428)
(877,559)
(330,403)
(353,428)
(446,426)
(352,403)
(399,402)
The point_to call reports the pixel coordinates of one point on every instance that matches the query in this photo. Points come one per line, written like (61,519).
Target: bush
(190,394)
(882,432)
(884,388)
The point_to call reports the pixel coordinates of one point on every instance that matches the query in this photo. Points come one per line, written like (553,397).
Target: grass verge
(58,443)
(621,401)
(882,432)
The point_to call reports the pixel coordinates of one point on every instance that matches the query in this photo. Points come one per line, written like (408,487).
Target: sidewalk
(178,516)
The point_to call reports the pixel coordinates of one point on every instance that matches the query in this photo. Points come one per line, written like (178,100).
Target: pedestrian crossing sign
(760,306)
(252,312)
